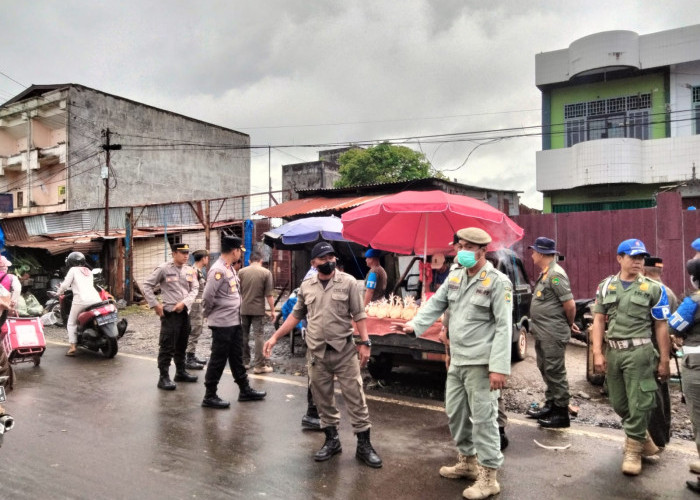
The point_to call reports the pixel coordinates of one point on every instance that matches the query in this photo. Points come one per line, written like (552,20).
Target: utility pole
(105,174)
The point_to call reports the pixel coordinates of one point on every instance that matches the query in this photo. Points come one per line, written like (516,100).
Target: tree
(383,163)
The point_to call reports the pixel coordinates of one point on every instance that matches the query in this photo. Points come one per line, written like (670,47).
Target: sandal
(71,352)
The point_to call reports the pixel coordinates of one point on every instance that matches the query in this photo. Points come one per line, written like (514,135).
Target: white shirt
(79,279)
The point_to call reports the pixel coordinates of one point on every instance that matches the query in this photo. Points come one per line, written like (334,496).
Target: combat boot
(542,412)
(694,466)
(164,381)
(466,467)
(365,452)
(248,393)
(485,485)
(311,420)
(191,362)
(331,445)
(557,419)
(632,461)
(503,437)
(181,375)
(211,400)
(649,448)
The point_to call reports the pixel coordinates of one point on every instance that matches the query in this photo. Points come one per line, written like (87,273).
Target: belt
(626,344)
(691,349)
(328,346)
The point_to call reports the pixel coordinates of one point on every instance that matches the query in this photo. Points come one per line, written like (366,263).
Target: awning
(315,205)
(59,246)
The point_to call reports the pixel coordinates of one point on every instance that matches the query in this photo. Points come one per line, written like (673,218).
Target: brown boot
(695,466)
(466,467)
(649,448)
(485,485)
(632,461)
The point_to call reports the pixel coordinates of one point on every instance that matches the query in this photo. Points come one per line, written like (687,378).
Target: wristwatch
(367,342)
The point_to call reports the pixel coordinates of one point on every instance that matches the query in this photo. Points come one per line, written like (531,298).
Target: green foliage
(383,163)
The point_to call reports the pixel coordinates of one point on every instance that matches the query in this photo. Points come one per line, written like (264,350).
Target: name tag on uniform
(454,282)
(171,278)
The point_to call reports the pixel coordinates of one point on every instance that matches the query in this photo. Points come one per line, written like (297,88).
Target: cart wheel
(37,360)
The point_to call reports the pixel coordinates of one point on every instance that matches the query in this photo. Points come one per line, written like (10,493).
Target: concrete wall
(169,175)
(310,175)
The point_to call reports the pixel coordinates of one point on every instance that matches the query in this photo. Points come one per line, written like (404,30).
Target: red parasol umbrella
(423,222)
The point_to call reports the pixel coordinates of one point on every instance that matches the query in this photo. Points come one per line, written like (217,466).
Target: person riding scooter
(79,279)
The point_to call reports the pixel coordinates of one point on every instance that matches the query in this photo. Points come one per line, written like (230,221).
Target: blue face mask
(466,258)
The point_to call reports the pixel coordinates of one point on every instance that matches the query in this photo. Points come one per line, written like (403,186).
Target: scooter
(6,421)
(98,325)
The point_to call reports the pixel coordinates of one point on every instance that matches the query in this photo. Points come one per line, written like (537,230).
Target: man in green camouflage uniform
(632,304)
(552,314)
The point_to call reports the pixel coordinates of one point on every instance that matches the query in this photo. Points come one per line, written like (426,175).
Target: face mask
(326,267)
(466,258)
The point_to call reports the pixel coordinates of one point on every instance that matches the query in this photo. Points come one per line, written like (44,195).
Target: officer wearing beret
(696,246)
(178,290)
(685,323)
(660,419)
(632,305)
(552,314)
(480,299)
(330,301)
(222,307)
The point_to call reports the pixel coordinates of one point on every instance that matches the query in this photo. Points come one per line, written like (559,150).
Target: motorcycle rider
(79,280)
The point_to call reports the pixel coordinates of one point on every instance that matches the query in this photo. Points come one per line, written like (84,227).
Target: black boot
(540,412)
(211,400)
(181,375)
(201,361)
(557,419)
(248,393)
(693,485)
(330,447)
(504,438)
(191,362)
(312,420)
(365,453)
(164,381)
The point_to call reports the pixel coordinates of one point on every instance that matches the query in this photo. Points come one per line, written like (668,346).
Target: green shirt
(628,311)
(546,311)
(481,317)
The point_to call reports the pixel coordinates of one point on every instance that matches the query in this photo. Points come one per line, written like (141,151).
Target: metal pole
(29,161)
(129,240)
(269,174)
(106,180)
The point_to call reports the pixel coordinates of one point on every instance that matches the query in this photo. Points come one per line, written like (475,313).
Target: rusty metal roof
(315,205)
(59,246)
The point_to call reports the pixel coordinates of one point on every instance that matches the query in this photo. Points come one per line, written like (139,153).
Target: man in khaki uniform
(178,289)
(256,287)
(330,301)
(552,314)
(632,305)
(201,260)
(480,299)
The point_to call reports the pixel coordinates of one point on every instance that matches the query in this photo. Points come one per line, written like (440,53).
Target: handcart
(23,340)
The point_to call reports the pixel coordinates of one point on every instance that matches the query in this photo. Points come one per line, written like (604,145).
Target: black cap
(229,243)
(653,262)
(180,247)
(321,248)
(545,246)
(693,267)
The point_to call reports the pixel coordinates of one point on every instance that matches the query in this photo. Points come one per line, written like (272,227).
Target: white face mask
(694,283)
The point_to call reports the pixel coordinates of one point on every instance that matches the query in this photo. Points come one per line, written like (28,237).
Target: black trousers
(226,345)
(660,419)
(174,332)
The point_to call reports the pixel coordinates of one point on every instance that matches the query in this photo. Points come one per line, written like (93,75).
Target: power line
(12,79)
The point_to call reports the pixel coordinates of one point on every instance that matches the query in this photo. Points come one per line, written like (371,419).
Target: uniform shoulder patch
(555,281)
(482,275)
(217,276)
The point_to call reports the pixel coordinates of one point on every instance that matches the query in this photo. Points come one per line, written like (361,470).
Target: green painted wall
(602,197)
(654,84)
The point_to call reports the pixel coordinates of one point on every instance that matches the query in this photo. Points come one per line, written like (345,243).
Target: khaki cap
(474,235)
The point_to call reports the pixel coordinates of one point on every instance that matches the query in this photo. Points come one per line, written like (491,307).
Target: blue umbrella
(308,230)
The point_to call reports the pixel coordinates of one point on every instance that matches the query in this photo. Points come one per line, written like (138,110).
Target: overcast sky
(319,72)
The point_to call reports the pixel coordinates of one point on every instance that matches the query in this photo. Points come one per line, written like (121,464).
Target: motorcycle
(6,421)
(98,325)
(583,319)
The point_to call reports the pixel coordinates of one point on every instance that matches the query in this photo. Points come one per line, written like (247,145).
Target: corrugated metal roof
(315,205)
(14,229)
(59,246)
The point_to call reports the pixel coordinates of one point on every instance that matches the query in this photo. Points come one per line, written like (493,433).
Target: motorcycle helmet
(75,259)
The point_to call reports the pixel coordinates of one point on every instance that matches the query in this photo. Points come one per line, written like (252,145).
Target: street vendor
(375,283)
(480,299)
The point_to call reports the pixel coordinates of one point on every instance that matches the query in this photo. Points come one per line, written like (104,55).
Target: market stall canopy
(303,231)
(424,222)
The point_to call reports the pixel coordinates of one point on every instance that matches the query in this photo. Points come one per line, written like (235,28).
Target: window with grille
(626,116)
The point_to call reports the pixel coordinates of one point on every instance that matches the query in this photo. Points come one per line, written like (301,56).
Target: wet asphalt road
(94,428)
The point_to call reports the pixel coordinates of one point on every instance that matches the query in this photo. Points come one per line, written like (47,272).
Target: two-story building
(620,120)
